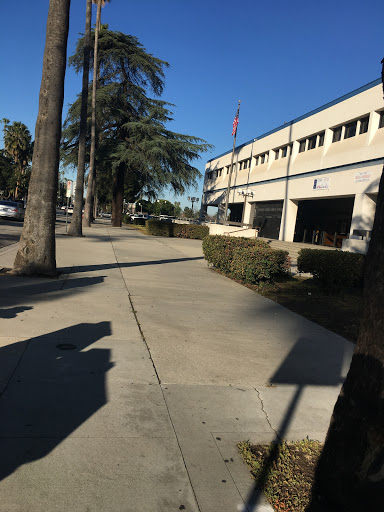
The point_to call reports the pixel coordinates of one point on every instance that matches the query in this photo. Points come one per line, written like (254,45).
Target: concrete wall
(219,229)
(358,246)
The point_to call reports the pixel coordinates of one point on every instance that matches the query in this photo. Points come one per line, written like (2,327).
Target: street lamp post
(193,200)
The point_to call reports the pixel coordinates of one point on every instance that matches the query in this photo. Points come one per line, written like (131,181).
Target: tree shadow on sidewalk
(16,290)
(107,266)
(297,370)
(56,386)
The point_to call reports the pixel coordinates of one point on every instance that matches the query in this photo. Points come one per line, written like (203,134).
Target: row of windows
(261,159)
(350,129)
(283,151)
(381,121)
(314,141)
(244,164)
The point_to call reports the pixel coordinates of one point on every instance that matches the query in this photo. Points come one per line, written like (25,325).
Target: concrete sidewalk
(127,382)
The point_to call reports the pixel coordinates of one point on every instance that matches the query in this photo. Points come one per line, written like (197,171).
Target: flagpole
(230,169)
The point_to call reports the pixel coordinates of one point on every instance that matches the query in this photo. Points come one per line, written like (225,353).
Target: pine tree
(134,143)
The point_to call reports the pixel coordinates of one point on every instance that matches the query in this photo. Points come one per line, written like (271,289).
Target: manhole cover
(66,346)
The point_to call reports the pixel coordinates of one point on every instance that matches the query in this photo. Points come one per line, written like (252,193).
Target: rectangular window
(256,160)
(312,142)
(240,166)
(262,159)
(284,152)
(381,122)
(336,134)
(350,130)
(321,139)
(364,122)
(302,146)
(228,166)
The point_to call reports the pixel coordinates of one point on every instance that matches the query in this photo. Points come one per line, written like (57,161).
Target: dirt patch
(284,472)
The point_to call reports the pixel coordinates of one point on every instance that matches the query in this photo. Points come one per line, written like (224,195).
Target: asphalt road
(10,230)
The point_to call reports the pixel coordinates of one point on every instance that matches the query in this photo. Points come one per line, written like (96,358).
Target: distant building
(314,179)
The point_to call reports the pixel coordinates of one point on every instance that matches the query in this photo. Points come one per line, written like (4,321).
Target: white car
(139,216)
(12,210)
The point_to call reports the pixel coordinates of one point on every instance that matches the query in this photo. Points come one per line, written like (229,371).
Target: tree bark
(92,168)
(75,228)
(118,197)
(350,473)
(37,251)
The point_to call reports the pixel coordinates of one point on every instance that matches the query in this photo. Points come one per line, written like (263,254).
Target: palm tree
(18,145)
(75,229)
(37,251)
(88,209)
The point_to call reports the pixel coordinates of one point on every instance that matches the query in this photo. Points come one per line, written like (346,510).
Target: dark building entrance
(324,221)
(267,218)
(236,212)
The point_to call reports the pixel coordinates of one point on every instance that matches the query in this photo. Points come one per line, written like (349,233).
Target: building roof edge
(304,116)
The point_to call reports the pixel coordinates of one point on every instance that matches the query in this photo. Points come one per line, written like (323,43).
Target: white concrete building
(314,179)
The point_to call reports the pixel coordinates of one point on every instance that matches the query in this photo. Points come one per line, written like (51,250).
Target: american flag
(236,121)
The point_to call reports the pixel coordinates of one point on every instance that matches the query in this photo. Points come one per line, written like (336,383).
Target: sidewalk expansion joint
(266,414)
(157,375)
(245,508)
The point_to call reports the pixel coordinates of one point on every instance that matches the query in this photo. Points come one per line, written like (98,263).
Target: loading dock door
(268,218)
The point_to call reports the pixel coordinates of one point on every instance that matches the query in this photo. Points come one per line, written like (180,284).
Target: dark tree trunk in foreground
(88,208)
(75,229)
(350,474)
(118,197)
(37,252)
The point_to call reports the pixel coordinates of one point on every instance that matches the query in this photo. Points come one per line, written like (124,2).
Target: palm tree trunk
(75,228)
(92,169)
(37,251)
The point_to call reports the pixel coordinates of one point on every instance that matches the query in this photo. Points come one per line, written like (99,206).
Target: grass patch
(136,227)
(288,477)
(307,297)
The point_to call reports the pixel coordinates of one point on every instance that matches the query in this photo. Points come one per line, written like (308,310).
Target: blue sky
(282,59)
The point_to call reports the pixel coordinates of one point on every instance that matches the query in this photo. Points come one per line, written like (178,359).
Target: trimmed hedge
(218,249)
(168,228)
(334,269)
(255,264)
(190,231)
(159,227)
(139,221)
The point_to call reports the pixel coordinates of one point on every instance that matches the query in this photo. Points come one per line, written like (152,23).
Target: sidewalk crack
(266,414)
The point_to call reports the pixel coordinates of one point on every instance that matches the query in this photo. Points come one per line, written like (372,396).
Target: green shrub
(190,231)
(126,218)
(255,264)
(139,221)
(334,269)
(159,227)
(218,249)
